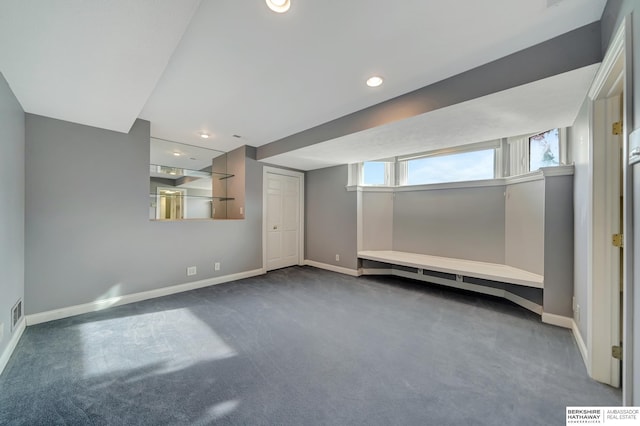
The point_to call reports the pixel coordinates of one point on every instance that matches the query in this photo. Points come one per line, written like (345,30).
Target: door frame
(183,191)
(291,173)
(603,304)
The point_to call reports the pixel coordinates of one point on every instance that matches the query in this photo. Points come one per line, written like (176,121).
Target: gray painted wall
(377,220)
(12,216)
(88,235)
(579,141)
(614,13)
(524,226)
(330,218)
(465,223)
(558,245)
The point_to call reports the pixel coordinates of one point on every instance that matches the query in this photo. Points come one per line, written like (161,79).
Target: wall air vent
(16,314)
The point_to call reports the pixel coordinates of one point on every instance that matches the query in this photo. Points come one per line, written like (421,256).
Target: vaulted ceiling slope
(91,62)
(229,67)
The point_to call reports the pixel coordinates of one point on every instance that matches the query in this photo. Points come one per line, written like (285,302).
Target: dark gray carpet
(300,346)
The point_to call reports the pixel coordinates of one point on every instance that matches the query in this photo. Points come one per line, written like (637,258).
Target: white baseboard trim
(498,292)
(334,268)
(135,297)
(13,342)
(557,320)
(581,345)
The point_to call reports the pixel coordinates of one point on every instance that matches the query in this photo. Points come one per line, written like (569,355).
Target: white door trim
(628,226)
(183,191)
(284,172)
(602,304)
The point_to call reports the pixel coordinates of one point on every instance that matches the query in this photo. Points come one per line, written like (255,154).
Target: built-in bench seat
(522,224)
(468,268)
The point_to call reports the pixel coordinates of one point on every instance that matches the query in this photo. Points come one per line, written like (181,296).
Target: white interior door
(282,220)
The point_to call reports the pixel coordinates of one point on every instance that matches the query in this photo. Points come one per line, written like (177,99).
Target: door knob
(275,226)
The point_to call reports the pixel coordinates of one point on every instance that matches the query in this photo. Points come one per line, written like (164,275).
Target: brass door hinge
(616,128)
(616,352)
(617,240)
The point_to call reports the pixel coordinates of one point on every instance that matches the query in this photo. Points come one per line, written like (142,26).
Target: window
(457,167)
(544,150)
(377,173)
(373,173)
(486,160)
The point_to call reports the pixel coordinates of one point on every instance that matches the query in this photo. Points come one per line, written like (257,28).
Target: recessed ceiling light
(279,6)
(374,81)
(204,135)
(177,154)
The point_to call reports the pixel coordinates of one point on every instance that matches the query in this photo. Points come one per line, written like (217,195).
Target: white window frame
(403,161)
(518,155)
(389,172)
(505,162)
(562,146)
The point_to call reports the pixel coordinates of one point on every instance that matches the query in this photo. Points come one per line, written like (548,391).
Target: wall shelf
(162,171)
(196,197)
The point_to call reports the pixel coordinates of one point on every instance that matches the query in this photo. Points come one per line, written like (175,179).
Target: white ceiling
(91,62)
(234,67)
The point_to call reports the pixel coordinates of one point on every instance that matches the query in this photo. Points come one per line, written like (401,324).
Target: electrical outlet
(573,303)
(241,210)
(191,270)
(1,331)
(337,258)
(577,313)
(216,266)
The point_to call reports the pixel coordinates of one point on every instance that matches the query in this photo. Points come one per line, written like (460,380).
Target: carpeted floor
(300,346)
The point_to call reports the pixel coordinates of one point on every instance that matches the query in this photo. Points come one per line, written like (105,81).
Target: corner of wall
(12,219)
